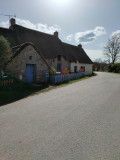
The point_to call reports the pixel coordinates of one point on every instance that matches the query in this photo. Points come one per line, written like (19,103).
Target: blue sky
(89,22)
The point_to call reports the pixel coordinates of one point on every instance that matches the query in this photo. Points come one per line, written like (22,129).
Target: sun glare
(61,1)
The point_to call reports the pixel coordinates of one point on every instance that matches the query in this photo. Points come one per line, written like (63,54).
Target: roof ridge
(69,44)
(26,43)
(30,29)
(4,28)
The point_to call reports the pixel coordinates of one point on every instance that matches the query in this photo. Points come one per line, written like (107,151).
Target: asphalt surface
(80,121)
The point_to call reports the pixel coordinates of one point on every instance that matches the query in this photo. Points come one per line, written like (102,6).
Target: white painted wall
(88,67)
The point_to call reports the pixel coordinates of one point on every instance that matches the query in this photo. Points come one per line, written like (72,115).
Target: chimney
(80,45)
(12,22)
(56,34)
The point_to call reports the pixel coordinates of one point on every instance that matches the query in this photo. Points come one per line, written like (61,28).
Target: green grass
(64,84)
(17,91)
(21,90)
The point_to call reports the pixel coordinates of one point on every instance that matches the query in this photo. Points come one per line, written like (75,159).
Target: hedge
(114,68)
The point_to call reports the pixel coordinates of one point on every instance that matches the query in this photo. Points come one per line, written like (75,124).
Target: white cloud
(38,26)
(5,24)
(115,33)
(90,35)
(70,37)
(99,31)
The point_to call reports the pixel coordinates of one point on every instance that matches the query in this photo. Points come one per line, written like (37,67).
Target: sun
(61,1)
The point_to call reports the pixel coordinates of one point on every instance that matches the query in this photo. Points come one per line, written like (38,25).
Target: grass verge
(21,90)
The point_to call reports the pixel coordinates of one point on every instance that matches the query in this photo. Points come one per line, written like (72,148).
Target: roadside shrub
(52,71)
(114,68)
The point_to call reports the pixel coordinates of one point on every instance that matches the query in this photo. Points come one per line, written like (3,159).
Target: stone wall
(17,67)
(64,63)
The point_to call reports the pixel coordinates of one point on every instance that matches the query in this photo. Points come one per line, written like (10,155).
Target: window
(30,57)
(75,69)
(59,58)
(82,69)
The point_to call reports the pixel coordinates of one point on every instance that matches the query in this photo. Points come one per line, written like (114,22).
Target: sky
(89,22)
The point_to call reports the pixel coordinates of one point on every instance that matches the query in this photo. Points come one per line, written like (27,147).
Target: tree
(99,64)
(5,52)
(112,49)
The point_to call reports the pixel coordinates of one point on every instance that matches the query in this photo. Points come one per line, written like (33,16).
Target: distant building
(35,51)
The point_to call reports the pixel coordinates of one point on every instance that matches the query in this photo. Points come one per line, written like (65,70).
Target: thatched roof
(76,53)
(9,35)
(17,50)
(49,45)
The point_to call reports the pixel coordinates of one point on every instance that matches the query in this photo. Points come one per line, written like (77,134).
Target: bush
(52,71)
(114,68)
(5,52)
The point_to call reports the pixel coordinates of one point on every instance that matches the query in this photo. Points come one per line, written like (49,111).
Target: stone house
(53,51)
(27,64)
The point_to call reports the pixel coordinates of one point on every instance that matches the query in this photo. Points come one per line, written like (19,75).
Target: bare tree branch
(112,49)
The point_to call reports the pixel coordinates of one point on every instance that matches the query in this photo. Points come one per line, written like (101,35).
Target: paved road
(80,121)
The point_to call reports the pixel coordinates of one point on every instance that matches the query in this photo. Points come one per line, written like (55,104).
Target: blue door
(59,67)
(29,73)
